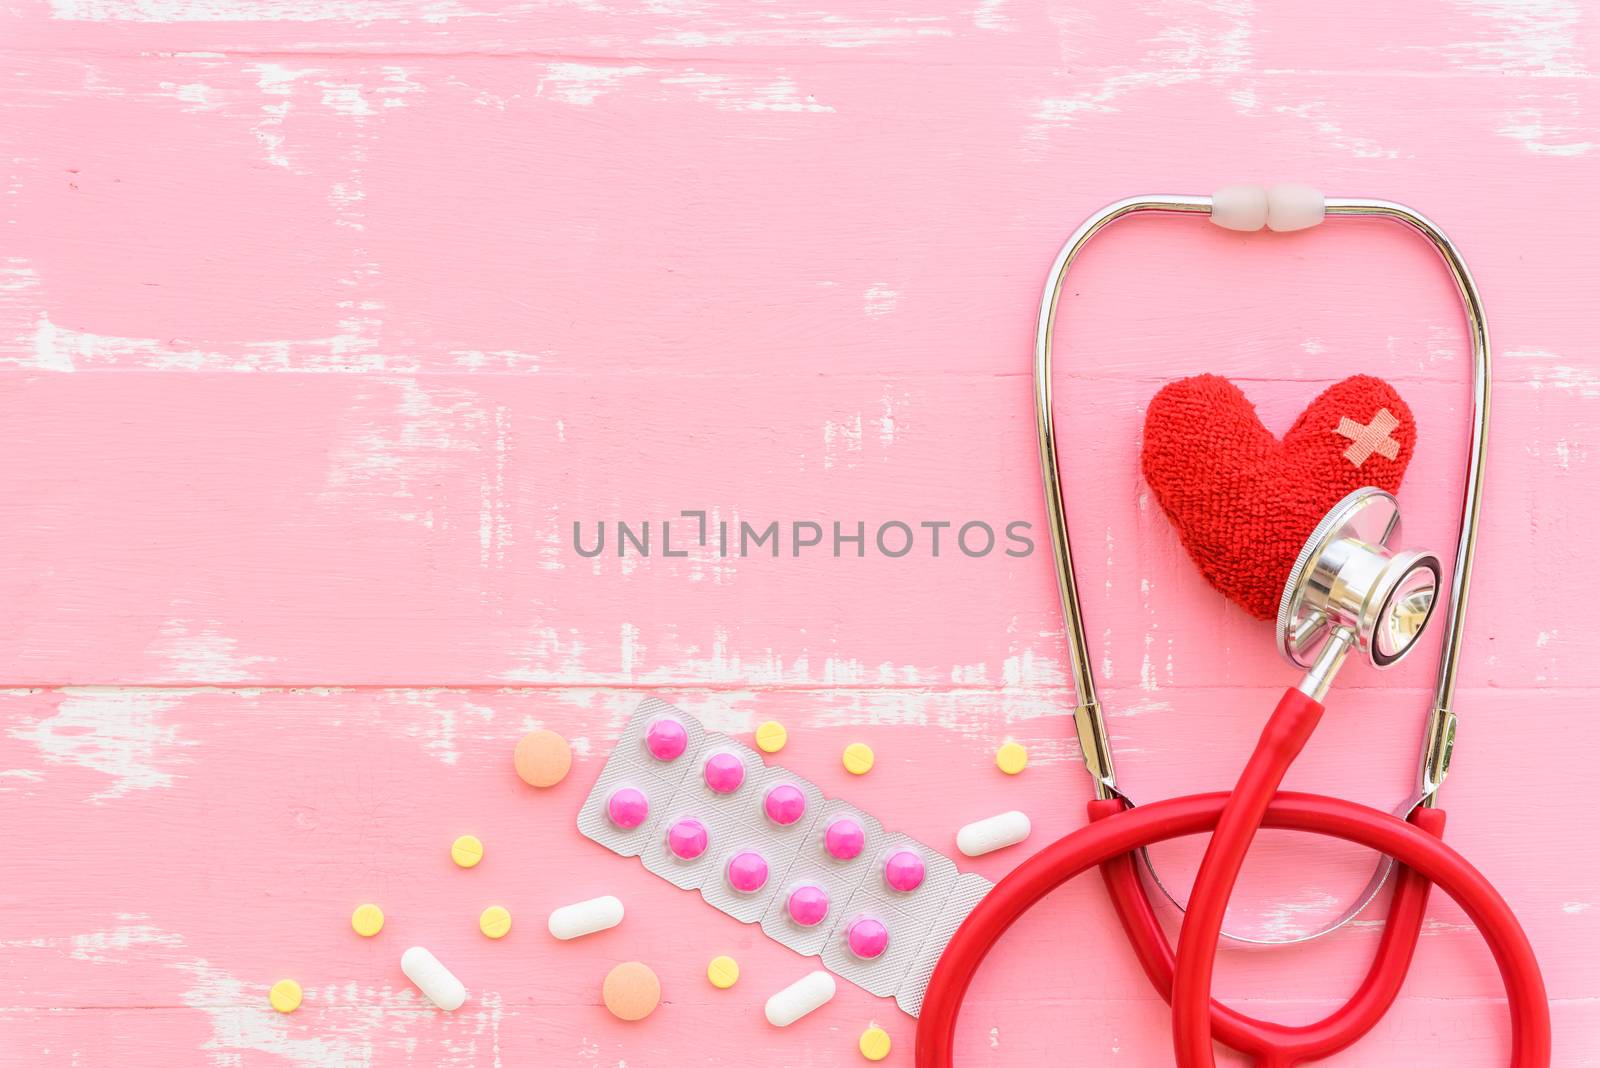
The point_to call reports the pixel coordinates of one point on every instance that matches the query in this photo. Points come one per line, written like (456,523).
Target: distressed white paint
(243,1022)
(880,300)
(732,93)
(582,83)
(1523,36)
(202,654)
(252,10)
(438,724)
(118,733)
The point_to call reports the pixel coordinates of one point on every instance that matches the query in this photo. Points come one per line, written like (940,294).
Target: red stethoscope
(1347,591)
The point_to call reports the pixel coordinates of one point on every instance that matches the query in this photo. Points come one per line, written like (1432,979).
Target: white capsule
(433,978)
(996,832)
(806,994)
(586,917)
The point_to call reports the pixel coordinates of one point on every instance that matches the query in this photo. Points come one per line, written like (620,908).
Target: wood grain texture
(323,322)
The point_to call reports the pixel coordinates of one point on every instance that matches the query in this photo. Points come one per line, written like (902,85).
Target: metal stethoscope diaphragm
(1349,589)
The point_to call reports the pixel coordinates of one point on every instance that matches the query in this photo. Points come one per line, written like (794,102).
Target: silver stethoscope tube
(1439,732)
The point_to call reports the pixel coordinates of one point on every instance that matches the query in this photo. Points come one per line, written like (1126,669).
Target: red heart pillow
(1243,501)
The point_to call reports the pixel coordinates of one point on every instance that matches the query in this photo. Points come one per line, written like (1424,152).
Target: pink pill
(627,808)
(904,870)
(867,938)
(687,838)
(747,871)
(785,804)
(724,772)
(808,905)
(666,739)
(844,839)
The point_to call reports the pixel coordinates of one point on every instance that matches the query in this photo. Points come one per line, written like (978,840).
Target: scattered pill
(771,736)
(585,917)
(666,739)
(724,772)
(543,758)
(367,920)
(844,839)
(808,905)
(687,838)
(627,807)
(874,1044)
(747,871)
(806,994)
(466,851)
(785,804)
(433,979)
(495,921)
(285,995)
(904,870)
(723,972)
(1011,758)
(867,938)
(858,758)
(631,991)
(996,832)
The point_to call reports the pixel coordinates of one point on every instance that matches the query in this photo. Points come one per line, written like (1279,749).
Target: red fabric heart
(1244,502)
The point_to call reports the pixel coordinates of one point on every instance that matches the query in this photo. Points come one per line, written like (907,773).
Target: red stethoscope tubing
(1254,803)
(1270,1044)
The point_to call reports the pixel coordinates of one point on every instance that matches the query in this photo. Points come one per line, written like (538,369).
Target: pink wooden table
(323,321)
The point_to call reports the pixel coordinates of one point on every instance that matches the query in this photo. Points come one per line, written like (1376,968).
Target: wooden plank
(528,215)
(1162,43)
(318,530)
(192,774)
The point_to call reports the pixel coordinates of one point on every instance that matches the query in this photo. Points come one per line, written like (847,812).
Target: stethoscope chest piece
(1347,577)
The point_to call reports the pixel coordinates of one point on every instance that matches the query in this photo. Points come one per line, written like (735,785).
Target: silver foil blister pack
(706,812)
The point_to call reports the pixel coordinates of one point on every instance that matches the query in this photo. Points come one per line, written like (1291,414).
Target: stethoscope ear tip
(1347,579)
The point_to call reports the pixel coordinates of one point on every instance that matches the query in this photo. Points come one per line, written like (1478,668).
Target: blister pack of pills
(706,813)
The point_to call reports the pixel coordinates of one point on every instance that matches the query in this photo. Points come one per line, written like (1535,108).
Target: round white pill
(800,997)
(996,832)
(585,917)
(433,978)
